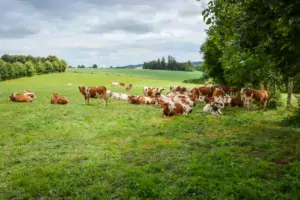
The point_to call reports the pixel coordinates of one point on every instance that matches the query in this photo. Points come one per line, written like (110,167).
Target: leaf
(208,21)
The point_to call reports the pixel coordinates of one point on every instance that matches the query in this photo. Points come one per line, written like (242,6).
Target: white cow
(115,84)
(213,108)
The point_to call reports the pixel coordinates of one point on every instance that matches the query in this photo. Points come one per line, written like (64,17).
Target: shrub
(275,101)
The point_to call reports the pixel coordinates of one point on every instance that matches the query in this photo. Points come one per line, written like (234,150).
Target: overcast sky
(105,32)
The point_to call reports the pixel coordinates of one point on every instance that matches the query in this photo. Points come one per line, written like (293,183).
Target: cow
(207,91)
(184,99)
(133,99)
(236,102)
(29,93)
(20,98)
(174,108)
(94,92)
(122,83)
(260,96)
(209,99)
(234,91)
(114,84)
(56,99)
(179,89)
(213,108)
(128,87)
(152,92)
(141,100)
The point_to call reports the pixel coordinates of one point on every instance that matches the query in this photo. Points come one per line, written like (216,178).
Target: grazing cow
(20,98)
(128,87)
(152,92)
(122,83)
(94,92)
(114,84)
(56,99)
(236,102)
(29,93)
(260,96)
(179,89)
(213,108)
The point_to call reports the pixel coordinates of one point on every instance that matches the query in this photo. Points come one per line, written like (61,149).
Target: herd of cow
(179,100)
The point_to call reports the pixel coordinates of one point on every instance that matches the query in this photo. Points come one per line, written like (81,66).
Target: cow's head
(82,90)
(227,99)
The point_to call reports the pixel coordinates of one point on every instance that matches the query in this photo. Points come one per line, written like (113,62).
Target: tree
(56,66)
(95,66)
(63,65)
(260,47)
(30,70)
(4,73)
(40,68)
(48,67)
(163,63)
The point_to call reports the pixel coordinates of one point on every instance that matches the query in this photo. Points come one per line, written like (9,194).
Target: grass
(144,73)
(126,151)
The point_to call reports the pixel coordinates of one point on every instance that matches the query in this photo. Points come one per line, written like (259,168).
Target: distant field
(152,74)
(127,151)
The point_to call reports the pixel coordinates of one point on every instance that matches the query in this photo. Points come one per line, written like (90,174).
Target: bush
(275,101)
(292,120)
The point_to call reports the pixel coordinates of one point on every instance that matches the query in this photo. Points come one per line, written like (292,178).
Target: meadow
(144,73)
(127,151)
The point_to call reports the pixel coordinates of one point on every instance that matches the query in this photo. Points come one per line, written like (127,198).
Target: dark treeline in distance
(172,64)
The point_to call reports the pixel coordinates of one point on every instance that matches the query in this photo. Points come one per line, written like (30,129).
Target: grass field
(127,151)
(144,73)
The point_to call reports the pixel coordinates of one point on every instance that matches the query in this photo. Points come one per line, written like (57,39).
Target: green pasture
(143,73)
(126,151)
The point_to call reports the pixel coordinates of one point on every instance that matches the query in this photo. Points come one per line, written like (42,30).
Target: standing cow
(260,96)
(94,92)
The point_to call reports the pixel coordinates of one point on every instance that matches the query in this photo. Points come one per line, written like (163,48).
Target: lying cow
(29,93)
(213,108)
(236,102)
(179,89)
(152,92)
(141,100)
(175,108)
(94,92)
(56,99)
(128,87)
(114,84)
(20,98)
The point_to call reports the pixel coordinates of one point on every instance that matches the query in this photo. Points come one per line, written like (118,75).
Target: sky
(103,32)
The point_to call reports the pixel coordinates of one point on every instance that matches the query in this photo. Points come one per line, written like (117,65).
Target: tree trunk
(290,92)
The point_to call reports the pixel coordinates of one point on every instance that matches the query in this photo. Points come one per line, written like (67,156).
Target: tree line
(17,66)
(254,44)
(172,64)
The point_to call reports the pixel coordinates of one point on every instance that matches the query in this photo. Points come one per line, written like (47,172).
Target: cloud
(104,32)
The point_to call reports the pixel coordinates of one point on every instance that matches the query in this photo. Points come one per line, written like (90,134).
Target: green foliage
(30,70)
(17,66)
(252,48)
(172,65)
(292,120)
(126,151)
(48,67)
(275,101)
(95,66)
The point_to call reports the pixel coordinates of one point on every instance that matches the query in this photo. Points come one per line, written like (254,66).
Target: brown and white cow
(213,108)
(20,98)
(236,102)
(152,92)
(56,99)
(122,83)
(29,93)
(260,96)
(128,87)
(175,108)
(179,89)
(94,92)
(141,100)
